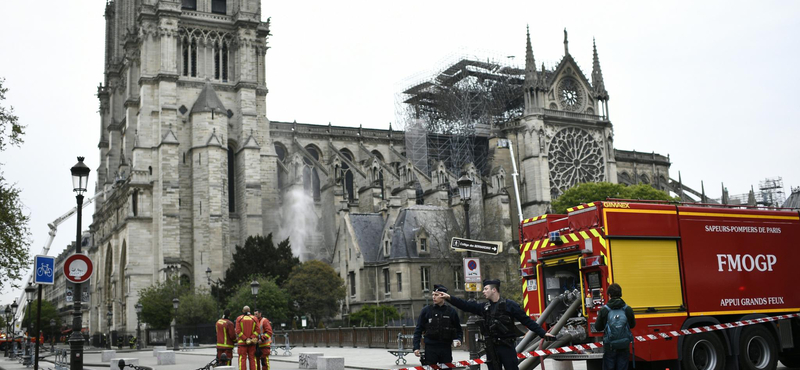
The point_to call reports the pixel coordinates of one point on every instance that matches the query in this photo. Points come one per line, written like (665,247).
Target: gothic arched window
(310,175)
(347,175)
(280,150)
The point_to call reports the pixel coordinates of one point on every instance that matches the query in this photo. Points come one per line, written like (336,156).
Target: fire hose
(530,363)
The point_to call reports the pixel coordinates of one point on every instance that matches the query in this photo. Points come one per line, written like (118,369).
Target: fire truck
(680,266)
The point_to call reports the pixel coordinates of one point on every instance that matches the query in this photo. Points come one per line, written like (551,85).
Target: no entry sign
(78,268)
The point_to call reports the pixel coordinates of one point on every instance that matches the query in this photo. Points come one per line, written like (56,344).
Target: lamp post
(138,307)
(109,319)
(26,350)
(14,307)
(52,335)
(175,303)
(254,285)
(80,179)
(8,327)
(465,193)
(38,333)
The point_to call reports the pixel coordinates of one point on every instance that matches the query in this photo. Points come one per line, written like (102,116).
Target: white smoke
(298,221)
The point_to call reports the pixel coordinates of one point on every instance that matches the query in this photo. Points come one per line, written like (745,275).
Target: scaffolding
(449,117)
(772,191)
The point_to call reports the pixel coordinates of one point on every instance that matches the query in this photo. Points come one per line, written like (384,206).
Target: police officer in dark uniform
(441,326)
(499,328)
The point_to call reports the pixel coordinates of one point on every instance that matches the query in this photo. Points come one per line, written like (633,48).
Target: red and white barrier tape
(590,346)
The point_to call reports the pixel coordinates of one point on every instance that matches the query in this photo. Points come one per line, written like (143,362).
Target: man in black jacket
(614,359)
(499,316)
(441,326)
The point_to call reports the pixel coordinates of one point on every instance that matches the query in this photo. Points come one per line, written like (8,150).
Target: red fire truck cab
(680,267)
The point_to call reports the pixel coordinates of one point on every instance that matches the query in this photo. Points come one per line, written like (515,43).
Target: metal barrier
(287,348)
(61,360)
(190,347)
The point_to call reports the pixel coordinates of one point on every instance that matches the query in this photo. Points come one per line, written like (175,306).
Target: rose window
(574,158)
(570,95)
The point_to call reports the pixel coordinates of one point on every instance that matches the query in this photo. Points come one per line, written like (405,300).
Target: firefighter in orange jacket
(226,337)
(264,341)
(247,333)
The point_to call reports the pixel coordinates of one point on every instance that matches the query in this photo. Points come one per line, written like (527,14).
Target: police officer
(499,316)
(441,326)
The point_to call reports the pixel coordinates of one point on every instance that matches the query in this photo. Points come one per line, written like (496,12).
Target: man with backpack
(615,320)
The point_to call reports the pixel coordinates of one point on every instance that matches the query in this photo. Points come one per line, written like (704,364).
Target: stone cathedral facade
(191,166)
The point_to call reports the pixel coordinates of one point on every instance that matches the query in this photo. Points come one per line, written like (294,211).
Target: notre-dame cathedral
(191,166)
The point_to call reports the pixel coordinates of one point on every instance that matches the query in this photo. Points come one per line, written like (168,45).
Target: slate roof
(368,228)
(208,100)
(794,200)
(436,221)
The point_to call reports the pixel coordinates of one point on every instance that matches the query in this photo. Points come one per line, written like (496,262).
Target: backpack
(617,334)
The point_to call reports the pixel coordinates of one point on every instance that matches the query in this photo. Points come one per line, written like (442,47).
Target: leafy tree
(196,307)
(14,232)
(259,255)
(156,302)
(316,290)
(595,191)
(49,312)
(372,315)
(272,301)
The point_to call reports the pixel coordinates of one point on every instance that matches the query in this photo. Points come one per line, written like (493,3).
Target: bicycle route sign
(45,267)
(78,268)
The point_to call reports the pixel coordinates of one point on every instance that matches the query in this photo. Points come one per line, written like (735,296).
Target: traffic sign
(78,268)
(472,270)
(472,287)
(45,270)
(479,246)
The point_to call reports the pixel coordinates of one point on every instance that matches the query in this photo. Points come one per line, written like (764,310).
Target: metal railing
(368,337)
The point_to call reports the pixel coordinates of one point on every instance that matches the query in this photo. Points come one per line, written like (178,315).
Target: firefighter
(226,338)
(264,342)
(247,339)
(498,328)
(441,326)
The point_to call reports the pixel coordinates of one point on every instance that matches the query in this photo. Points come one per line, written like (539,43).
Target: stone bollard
(308,360)
(115,362)
(166,358)
(562,365)
(106,356)
(158,349)
(330,363)
(224,368)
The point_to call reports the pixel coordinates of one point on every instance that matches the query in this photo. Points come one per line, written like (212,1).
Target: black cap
(491,282)
(439,288)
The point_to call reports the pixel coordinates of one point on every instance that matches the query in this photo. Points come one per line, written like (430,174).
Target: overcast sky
(714,84)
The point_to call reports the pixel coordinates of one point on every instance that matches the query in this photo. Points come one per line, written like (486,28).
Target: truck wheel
(703,351)
(757,349)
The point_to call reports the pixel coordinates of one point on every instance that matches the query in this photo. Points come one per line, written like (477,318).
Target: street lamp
(254,285)
(26,350)
(8,327)
(52,335)
(109,318)
(80,179)
(14,307)
(465,193)
(138,307)
(175,303)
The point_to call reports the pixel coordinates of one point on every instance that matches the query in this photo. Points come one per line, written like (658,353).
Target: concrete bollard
(166,358)
(115,362)
(562,365)
(106,356)
(157,349)
(308,360)
(330,363)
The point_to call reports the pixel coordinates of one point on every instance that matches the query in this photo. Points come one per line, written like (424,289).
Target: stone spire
(530,62)
(597,76)
(566,43)
(542,83)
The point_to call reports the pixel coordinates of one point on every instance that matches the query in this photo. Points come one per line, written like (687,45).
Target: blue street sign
(44,270)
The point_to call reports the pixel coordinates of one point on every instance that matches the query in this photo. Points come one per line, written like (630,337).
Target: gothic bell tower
(187,164)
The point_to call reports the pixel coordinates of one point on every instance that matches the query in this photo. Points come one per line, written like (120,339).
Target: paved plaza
(355,358)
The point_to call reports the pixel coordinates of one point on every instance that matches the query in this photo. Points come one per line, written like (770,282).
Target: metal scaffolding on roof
(454,110)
